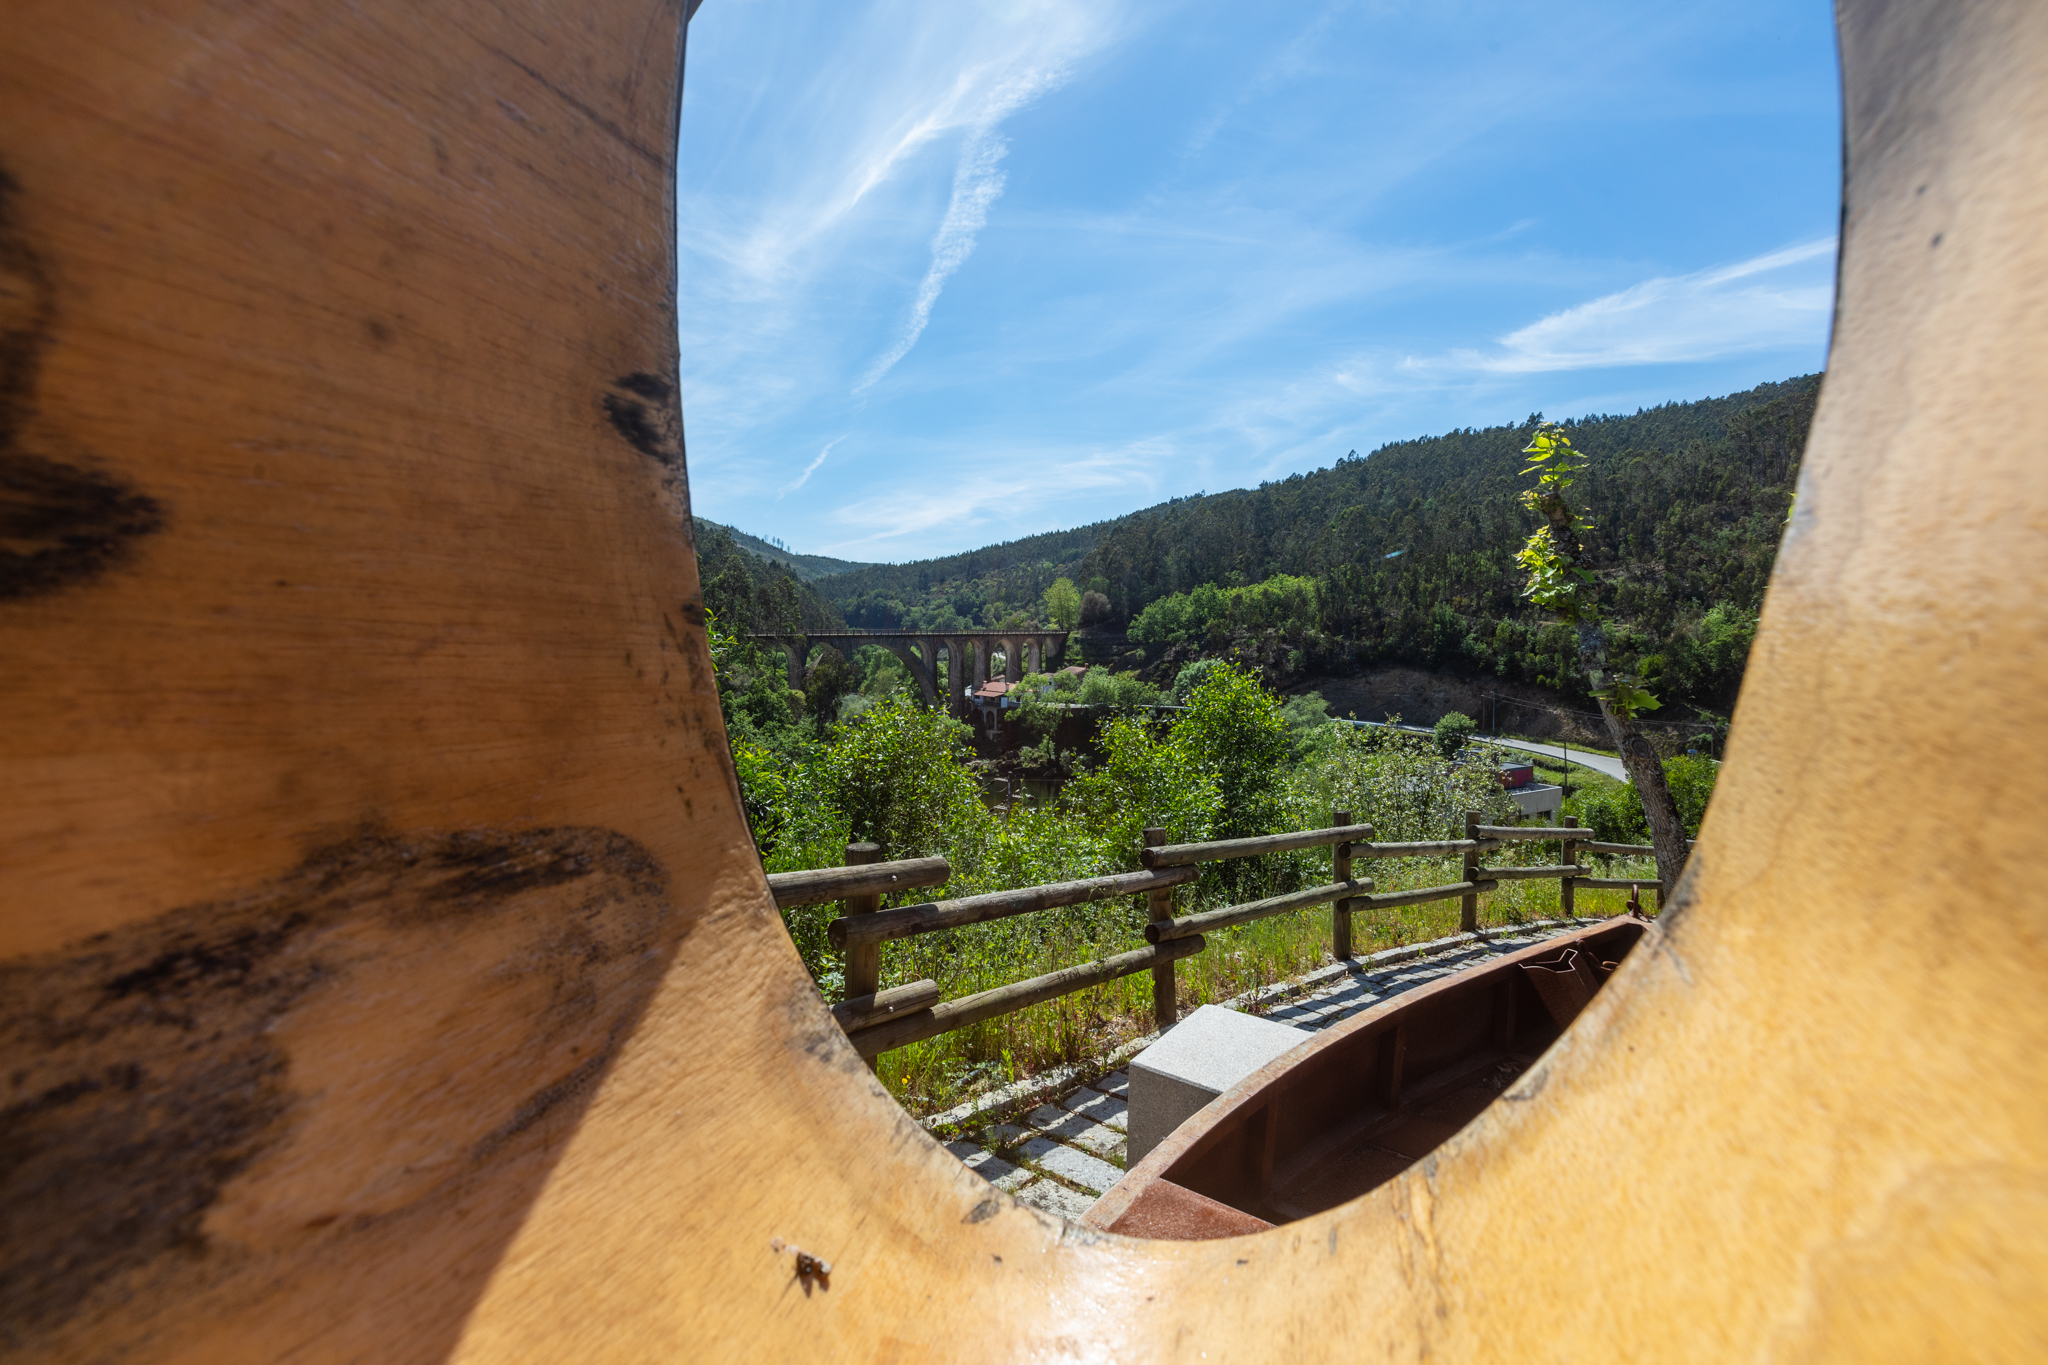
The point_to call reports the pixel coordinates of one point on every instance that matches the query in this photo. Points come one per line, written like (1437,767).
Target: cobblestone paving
(1061,1156)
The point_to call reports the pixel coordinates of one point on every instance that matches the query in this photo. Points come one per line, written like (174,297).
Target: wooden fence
(878,1020)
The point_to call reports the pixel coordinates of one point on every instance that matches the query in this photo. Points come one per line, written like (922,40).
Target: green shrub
(1453,732)
(1614,812)
(1233,729)
(1191,675)
(896,771)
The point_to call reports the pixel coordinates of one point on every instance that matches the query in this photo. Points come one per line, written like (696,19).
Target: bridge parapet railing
(877,1020)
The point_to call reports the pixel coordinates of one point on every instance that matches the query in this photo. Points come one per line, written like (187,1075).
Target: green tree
(1063,604)
(1141,782)
(1561,582)
(1233,729)
(1191,675)
(896,771)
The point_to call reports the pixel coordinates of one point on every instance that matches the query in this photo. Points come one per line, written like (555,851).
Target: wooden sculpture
(388,972)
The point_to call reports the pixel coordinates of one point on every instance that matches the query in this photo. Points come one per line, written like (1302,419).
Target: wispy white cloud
(820,232)
(1357,256)
(1302,54)
(977,183)
(1001,497)
(1753,305)
(800,480)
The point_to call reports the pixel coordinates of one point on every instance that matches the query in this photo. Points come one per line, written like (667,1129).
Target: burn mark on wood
(648,386)
(643,410)
(60,523)
(152,1072)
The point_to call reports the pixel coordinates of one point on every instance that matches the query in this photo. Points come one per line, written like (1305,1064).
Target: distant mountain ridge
(808,568)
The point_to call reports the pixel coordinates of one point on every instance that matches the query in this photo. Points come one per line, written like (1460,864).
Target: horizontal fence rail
(1424,895)
(1520,874)
(1436,848)
(1539,834)
(1622,850)
(924,919)
(1216,850)
(873,879)
(878,1020)
(973,1009)
(864,1011)
(1231,915)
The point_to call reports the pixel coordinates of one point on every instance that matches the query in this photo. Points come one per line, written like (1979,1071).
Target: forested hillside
(983,587)
(1407,555)
(748,593)
(808,568)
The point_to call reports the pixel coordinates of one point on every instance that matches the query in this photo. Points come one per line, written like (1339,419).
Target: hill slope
(807,568)
(1408,554)
(747,592)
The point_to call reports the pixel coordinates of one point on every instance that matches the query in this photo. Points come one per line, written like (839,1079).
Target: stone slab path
(1063,1155)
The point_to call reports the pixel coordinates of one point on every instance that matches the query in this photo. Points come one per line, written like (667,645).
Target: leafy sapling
(1559,581)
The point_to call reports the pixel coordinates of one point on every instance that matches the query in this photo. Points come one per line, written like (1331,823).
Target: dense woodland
(1406,556)
(745,592)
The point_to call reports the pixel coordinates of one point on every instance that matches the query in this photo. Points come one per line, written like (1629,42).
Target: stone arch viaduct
(1023,651)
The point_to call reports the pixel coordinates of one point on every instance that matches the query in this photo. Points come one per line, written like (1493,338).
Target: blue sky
(957,271)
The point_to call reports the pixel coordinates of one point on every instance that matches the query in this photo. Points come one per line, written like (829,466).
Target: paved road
(1599,763)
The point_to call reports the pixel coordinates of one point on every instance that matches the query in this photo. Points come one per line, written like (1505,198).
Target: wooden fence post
(863,961)
(1468,904)
(1159,909)
(1568,854)
(1340,871)
(863,971)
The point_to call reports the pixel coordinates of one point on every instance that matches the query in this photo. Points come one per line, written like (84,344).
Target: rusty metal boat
(1362,1102)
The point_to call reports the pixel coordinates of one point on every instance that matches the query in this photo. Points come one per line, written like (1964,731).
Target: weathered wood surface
(923,919)
(1426,848)
(1517,874)
(1619,850)
(1340,911)
(367,817)
(865,1011)
(818,885)
(1018,995)
(1216,850)
(1159,910)
(1425,895)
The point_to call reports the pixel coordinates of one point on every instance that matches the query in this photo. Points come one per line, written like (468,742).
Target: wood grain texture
(370,849)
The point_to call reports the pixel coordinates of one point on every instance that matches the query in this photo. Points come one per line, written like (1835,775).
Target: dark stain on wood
(644,411)
(151,1067)
(60,524)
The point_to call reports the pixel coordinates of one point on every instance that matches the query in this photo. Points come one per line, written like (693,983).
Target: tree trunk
(1645,769)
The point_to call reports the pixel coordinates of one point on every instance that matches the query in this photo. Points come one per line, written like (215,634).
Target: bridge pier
(968,656)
